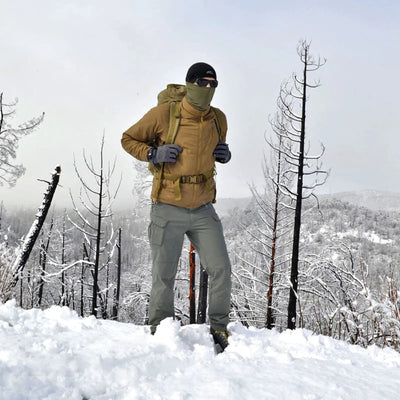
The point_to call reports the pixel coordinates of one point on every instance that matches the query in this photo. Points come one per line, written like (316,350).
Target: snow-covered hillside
(372,199)
(54,354)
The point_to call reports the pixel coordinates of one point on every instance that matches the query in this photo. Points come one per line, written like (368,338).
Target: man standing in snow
(182,143)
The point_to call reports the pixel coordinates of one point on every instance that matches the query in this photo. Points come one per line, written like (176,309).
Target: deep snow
(54,354)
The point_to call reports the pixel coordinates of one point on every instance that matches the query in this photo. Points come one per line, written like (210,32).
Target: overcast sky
(97,66)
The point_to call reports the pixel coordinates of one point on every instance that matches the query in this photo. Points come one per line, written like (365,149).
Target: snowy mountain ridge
(372,199)
(54,354)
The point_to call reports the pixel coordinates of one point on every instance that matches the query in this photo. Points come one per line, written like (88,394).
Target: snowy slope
(54,354)
(372,199)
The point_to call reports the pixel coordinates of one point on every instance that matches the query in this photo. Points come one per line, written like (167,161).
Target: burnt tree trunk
(63,280)
(270,323)
(43,257)
(98,236)
(192,282)
(119,267)
(294,272)
(85,258)
(203,289)
(33,233)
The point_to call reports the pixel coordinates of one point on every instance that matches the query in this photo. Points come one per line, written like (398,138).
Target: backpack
(173,94)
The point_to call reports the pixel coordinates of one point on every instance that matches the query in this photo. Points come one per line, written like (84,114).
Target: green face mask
(199,97)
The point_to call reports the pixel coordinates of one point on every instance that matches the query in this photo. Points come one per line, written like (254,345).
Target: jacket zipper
(198,154)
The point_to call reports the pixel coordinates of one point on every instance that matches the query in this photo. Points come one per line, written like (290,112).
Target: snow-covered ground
(54,354)
(371,236)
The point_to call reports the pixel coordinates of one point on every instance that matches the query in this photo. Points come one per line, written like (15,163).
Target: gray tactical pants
(167,229)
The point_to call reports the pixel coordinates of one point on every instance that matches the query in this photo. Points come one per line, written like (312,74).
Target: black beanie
(200,70)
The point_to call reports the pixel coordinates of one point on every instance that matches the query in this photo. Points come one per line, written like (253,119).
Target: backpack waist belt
(191,179)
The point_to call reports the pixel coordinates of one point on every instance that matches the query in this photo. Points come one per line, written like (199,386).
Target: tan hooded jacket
(197,136)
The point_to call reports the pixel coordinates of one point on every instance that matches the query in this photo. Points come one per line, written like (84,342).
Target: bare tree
(96,199)
(309,173)
(117,290)
(274,207)
(9,141)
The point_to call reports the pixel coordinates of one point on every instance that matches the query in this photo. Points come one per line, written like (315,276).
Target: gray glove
(222,153)
(166,153)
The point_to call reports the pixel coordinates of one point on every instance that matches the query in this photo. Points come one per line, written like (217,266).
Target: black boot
(220,338)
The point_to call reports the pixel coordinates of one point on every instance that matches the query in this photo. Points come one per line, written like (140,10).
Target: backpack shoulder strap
(219,120)
(174,121)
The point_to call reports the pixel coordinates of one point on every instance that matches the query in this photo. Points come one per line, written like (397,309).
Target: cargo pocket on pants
(156,230)
(216,218)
